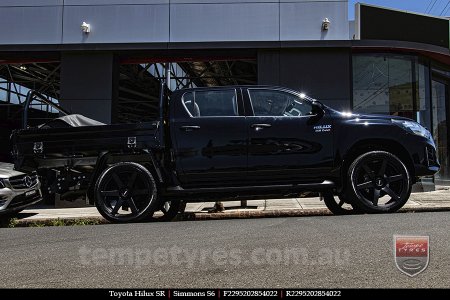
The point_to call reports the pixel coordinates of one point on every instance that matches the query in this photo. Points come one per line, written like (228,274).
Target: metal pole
(167,75)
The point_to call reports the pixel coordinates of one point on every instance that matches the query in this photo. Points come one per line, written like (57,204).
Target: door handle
(260,126)
(189,127)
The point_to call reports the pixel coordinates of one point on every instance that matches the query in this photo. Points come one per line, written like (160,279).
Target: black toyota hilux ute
(228,143)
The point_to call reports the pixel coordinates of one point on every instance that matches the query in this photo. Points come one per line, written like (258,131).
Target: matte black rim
(166,207)
(124,193)
(342,204)
(166,210)
(337,204)
(380,181)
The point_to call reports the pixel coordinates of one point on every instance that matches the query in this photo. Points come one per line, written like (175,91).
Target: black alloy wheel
(168,211)
(339,205)
(126,192)
(379,182)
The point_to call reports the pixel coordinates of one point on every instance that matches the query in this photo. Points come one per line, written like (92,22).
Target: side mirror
(317,109)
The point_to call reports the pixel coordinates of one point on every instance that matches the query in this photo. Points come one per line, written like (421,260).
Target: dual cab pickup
(228,143)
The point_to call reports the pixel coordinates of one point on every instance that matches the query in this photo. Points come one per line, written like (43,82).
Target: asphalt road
(326,251)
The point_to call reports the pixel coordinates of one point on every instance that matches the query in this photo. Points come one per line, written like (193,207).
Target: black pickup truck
(228,143)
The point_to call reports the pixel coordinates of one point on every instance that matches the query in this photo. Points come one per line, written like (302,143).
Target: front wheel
(379,182)
(125,192)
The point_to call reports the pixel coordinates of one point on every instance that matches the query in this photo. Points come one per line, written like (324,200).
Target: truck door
(211,137)
(288,143)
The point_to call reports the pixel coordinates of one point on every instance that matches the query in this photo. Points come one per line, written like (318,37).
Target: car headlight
(413,127)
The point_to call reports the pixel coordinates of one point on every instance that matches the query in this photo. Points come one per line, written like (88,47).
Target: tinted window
(188,101)
(278,103)
(211,103)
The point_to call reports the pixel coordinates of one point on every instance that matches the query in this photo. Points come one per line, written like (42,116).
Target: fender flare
(102,162)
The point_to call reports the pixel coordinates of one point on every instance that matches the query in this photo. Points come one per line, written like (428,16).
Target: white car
(17,190)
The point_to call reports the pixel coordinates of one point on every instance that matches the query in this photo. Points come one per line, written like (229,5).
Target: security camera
(325,24)
(85,27)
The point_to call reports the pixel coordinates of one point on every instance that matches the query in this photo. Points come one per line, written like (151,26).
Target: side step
(326,184)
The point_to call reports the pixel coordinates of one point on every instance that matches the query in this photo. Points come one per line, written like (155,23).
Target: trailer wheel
(126,192)
(168,211)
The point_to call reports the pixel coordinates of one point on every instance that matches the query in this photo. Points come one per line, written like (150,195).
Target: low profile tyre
(168,211)
(126,192)
(339,205)
(379,182)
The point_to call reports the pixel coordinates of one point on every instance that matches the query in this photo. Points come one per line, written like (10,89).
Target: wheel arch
(146,159)
(387,145)
(123,191)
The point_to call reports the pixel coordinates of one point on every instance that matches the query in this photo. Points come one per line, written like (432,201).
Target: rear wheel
(339,205)
(379,182)
(126,192)
(168,211)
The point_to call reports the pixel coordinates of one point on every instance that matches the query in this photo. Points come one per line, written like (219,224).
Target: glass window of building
(422,101)
(392,84)
(439,130)
(383,84)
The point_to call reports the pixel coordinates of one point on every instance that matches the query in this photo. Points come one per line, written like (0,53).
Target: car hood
(7,171)
(382,117)
(371,116)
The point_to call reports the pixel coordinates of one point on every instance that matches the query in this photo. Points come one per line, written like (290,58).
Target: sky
(433,7)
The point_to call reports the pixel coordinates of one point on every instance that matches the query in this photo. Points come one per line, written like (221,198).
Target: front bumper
(12,200)
(424,158)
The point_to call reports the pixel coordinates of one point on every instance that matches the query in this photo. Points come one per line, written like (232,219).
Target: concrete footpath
(427,201)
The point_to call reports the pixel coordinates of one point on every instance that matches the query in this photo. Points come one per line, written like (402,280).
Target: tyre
(168,211)
(126,192)
(339,205)
(379,182)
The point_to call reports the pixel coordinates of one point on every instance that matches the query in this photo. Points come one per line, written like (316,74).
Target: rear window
(211,103)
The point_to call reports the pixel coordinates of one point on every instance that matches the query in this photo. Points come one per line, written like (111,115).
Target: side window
(278,103)
(211,103)
(189,104)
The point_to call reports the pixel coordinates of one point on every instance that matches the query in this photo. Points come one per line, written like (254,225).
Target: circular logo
(125,193)
(28,181)
(379,182)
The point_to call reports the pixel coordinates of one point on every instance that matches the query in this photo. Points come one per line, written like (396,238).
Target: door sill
(326,184)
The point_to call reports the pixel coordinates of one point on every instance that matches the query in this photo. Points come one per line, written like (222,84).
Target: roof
(234,87)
